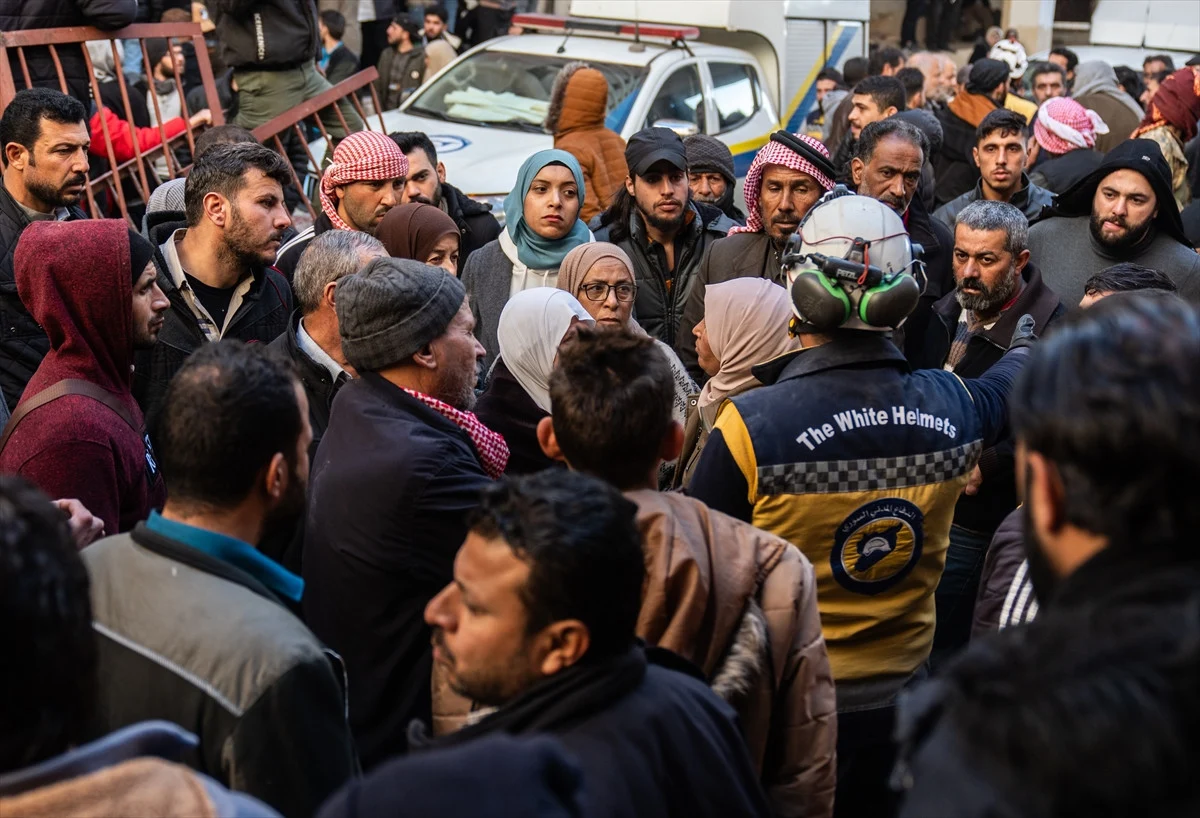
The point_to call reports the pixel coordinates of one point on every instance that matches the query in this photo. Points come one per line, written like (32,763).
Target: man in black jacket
(383,528)
(983,93)
(23,15)
(427,183)
(1110,518)
(887,166)
(44,139)
(272,47)
(539,622)
(969,332)
(213,262)
(665,233)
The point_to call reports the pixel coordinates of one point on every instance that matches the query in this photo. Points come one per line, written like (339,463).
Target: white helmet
(851,265)
(1013,55)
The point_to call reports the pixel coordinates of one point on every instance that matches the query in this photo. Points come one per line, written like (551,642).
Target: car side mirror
(679,126)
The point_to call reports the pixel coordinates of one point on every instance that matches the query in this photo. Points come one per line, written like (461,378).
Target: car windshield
(510,90)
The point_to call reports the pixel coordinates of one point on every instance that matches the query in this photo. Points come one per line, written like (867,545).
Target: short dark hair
(223,135)
(1048,68)
(1127,277)
(612,398)
(437,10)
(885,92)
(832,74)
(885,128)
(887,56)
(579,538)
(222,169)
(228,411)
(854,70)
(1130,80)
(1008,123)
(335,21)
(1070,56)
(406,23)
(912,79)
(22,119)
(1165,59)
(1110,398)
(48,678)
(408,141)
(1052,704)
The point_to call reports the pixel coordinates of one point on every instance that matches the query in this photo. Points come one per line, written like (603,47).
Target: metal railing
(135,171)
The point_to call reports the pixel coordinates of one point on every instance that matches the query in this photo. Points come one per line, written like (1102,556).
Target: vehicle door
(741,114)
(678,102)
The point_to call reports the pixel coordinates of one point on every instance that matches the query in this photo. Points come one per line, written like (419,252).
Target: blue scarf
(534,251)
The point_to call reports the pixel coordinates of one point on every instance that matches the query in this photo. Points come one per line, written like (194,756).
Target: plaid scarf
(364,156)
(776,153)
(490,446)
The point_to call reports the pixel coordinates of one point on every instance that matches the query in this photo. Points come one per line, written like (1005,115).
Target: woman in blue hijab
(542,225)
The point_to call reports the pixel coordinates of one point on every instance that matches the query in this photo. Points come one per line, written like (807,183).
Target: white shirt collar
(313,350)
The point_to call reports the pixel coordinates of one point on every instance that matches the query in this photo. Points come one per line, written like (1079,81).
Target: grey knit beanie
(391,308)
(706,154)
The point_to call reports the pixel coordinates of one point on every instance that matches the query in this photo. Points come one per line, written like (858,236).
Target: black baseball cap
(651,145)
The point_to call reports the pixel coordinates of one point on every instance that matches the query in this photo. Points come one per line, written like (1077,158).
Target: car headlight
(496,200)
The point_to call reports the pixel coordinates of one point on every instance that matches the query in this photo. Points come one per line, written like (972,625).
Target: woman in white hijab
(532,326)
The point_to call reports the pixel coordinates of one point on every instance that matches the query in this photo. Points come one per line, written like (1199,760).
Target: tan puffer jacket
(578,104)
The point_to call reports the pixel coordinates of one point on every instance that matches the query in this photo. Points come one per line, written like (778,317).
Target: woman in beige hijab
(438,55)
(745,324)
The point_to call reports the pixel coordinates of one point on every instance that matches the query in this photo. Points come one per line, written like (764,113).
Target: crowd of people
(867,495)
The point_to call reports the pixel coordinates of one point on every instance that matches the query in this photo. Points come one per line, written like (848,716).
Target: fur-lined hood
(579,99)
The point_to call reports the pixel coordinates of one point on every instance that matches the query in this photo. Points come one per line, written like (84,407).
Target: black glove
(1023,335)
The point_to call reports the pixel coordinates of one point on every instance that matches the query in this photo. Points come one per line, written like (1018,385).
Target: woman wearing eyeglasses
(600,275)
(745,324)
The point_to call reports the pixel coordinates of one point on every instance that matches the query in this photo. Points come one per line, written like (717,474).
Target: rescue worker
(858,461)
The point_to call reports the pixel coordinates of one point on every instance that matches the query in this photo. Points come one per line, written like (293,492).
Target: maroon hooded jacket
(76,281)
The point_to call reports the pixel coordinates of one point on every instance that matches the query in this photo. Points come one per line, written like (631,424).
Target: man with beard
(1110,512)
(44,141)
(363,182)
(383,526)
(215,265)
(887,166)
(1123,211)
(995,284)
(427,183)
(77,431)
(711,175)
(1001,155)
(873,99)
(662,229)
(785,180)
(194,625)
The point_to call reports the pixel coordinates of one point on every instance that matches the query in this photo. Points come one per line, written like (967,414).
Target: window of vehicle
(735,93)
(510,90)
(680,99)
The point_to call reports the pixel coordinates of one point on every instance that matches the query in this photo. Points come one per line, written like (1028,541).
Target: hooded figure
(77,279)
(1171,121)
(1096,87)
(413,231)
(525,255)
(517,397)
(1068,253)
(578,104)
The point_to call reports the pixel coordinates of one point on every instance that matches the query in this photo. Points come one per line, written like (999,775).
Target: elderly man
(402,463)
(711,175)
(363,182)
(785,180)
(1123,211)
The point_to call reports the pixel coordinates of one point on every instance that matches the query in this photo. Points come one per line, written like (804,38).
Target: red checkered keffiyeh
(1063,125)
(776,153)
(364,156)
(489,445)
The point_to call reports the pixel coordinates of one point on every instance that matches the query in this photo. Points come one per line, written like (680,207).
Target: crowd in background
(865,495)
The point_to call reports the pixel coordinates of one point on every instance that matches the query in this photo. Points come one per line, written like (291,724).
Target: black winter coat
(23,15)
(319,385)
(389,494)
(954,166)
(476,224)
(997,495)
(662,294)
(263,314)
(266,34)
(23,344)
(1059,173)
(506,408)
(937,241)
(650,736)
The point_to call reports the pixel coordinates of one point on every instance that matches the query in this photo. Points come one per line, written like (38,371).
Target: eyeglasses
(598,291)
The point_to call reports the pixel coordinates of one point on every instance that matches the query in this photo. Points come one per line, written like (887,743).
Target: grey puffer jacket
(1029,200)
